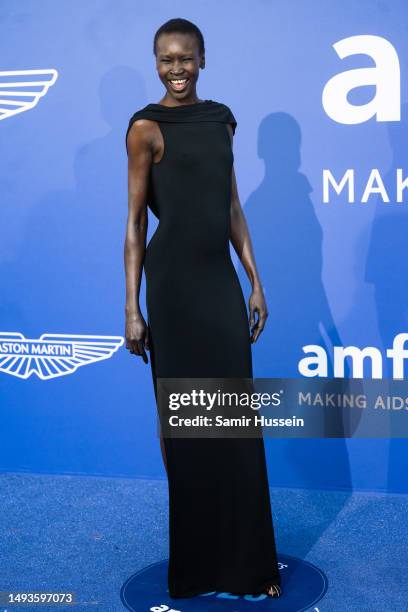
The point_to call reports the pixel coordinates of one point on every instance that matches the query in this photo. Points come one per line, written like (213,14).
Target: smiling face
(178,63)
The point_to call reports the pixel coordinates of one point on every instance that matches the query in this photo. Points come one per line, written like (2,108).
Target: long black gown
(221,534)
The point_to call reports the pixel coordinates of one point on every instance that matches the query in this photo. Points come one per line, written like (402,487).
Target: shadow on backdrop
(287,240)
(387,271)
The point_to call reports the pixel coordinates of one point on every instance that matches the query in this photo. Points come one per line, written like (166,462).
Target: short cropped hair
(181,26)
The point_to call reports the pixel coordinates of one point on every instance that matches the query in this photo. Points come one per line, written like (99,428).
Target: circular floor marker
(303,585)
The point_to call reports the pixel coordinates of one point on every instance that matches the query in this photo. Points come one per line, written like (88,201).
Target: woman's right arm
(139,148)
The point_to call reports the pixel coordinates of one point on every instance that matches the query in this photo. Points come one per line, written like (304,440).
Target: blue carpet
(89,534)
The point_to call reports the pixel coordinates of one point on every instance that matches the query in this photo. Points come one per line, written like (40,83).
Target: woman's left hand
(257,304)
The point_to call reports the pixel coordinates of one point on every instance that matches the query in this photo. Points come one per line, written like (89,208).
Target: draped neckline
(207,111)
(154,104)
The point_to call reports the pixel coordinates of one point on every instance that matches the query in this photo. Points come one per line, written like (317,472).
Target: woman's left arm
(241,241)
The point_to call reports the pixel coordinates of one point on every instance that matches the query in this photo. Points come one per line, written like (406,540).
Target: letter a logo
(385,75)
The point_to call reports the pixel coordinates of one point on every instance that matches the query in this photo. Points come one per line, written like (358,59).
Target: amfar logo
(52,355)
(317,363)
(22,89)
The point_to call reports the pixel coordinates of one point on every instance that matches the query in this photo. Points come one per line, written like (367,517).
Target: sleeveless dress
(221,535)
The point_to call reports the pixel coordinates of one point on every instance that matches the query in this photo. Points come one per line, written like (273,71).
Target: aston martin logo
(20,90)
(52,355)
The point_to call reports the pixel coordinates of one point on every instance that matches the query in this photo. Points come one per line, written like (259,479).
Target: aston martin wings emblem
(20,90)
(52,355)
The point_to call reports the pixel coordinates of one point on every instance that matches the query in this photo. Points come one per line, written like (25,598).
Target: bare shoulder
(141,133)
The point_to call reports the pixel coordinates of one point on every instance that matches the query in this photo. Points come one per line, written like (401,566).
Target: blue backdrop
(334,272)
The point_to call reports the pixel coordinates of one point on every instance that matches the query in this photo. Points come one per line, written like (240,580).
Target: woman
(180,164)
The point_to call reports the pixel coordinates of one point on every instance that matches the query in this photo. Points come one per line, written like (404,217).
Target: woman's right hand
(137,336)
